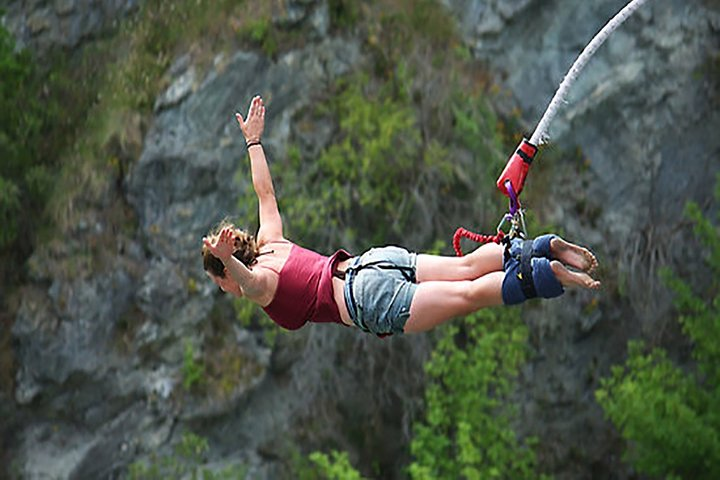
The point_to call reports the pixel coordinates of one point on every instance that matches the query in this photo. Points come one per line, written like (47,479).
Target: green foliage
(9,210)
(24,173)
(402,27)
(260,31)
(467,431)
(335,466)
(186,461)
(379,137)
(250,314)
(192,370)
(475,128)
(343,13)
(671,421)
(369,171)
(670,416)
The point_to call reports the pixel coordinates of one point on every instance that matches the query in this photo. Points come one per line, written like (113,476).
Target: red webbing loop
(475,237)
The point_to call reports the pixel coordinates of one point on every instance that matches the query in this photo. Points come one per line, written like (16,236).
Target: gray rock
(42,26)
(180,88)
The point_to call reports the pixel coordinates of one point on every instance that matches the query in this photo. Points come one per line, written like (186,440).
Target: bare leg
(572,279)
(485,259)
(573,255)
(435,302)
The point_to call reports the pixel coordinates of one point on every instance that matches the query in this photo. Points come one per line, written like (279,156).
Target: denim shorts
(379,288)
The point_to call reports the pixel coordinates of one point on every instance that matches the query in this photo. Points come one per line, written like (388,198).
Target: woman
(385,290)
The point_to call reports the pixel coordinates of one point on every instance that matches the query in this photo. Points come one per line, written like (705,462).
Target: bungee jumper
(384,291)
(390,290)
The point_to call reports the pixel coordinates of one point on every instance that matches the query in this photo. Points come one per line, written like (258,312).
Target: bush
(467,431)
(335,466)
(187,461)
(670,415)
(24,176)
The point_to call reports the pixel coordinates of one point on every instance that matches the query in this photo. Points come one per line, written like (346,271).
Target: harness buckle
(518,229)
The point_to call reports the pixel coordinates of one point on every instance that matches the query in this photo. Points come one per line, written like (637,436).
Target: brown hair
(246,249)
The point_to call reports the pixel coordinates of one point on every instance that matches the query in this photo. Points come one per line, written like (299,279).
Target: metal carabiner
(516,215)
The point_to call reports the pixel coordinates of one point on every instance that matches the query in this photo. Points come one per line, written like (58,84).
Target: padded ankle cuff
(546,284)
(541,245)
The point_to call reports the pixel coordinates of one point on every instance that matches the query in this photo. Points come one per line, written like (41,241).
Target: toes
(590,261)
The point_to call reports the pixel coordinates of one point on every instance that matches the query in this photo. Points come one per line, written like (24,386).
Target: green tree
(467,430)
(670,415)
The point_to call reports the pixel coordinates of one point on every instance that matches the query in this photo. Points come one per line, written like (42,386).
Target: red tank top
(305,290)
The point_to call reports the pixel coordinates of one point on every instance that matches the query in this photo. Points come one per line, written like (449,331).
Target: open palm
(253,126)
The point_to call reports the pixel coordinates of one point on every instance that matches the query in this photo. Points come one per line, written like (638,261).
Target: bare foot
(569,278)
(573,255)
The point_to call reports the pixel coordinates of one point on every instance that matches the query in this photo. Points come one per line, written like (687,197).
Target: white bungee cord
(540,135)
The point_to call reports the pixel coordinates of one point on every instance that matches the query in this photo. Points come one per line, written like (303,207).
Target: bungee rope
(512,178)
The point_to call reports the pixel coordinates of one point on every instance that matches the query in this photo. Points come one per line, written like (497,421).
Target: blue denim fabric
(377,293)
(546,285)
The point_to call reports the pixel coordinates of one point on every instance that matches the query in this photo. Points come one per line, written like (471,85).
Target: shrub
(467,430)
(24,176)
(670,416)
(187,461)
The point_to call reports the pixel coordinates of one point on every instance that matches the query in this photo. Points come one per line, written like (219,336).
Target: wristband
(252,144)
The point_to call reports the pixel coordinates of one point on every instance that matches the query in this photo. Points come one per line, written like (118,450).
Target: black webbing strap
(526,158)
(407,272)
(526,277)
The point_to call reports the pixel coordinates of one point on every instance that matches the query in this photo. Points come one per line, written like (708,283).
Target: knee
(487,257)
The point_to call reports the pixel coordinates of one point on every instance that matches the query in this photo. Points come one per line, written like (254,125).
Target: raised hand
(253,126)
(224,245)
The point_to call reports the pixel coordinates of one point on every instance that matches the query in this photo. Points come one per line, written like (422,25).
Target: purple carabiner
(514,202)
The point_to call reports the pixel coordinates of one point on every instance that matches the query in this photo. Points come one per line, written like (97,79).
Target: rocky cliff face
(100,351)
(42,25)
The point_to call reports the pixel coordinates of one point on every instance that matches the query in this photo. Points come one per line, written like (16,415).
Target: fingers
(226,235)
(257,107)
(229,237)
(212,247)
(252,125)
(251,110)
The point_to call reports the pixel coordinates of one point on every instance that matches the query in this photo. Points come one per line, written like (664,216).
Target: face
(226,284)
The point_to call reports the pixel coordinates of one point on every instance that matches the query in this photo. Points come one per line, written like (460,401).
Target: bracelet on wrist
(252,144)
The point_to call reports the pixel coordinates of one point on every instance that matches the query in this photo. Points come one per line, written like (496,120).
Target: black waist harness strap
(407,272)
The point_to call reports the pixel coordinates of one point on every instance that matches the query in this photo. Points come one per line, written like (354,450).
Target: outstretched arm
(252,128)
